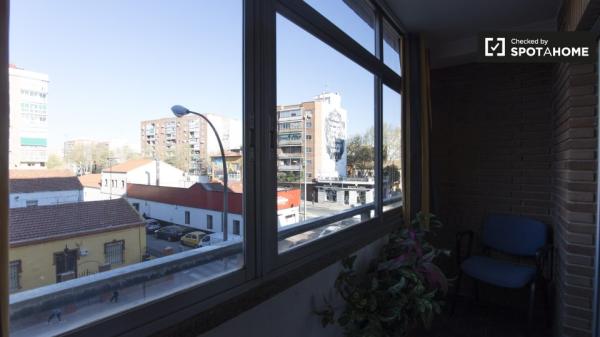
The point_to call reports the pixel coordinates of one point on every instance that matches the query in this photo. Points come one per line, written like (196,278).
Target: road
(156,247)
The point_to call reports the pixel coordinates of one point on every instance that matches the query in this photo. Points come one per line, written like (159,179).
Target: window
(236,227)
(346,114)
(209,222)
(355,18)
(392,44)
(392,146)
(14,275)
(321,103)
(114,252)
(29,203)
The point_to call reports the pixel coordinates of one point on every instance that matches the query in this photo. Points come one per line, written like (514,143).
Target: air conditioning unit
(83,252)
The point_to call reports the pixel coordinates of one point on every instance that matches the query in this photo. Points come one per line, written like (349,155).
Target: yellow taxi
(192,239)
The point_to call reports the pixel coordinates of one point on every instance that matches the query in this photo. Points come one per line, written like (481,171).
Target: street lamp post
(180,111)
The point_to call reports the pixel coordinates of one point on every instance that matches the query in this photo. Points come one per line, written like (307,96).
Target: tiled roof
(205,196)
(91,180)
(28,225)
(39,173)
(128,165)
(44,184)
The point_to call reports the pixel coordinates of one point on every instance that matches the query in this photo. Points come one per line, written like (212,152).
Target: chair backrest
(514,234)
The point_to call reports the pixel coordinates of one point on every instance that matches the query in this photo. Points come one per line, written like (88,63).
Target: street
(156,247)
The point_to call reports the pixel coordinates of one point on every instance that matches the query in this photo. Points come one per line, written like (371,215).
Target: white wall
(45,198)
(176,214)
(118,190)
(94,194)
(290,313)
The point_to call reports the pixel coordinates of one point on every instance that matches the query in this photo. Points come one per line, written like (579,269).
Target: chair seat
(498,272)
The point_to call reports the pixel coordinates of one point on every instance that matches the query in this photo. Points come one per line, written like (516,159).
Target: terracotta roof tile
(128,165)
(90,180)
(39,173)
(44,184)
(47,223)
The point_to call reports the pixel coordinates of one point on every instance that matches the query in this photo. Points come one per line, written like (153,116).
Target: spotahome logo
(537,47)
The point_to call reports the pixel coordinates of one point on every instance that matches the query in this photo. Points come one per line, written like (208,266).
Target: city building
(41,187)
(92,185)
(55,243)
(312,138)
(28,130)
(114,179)
(347,191)
(234,165)
(201,205)
(188,142)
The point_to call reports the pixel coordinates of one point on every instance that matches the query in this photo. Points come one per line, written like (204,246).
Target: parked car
(152,226)
(329,230)
(172,233)
(192,239)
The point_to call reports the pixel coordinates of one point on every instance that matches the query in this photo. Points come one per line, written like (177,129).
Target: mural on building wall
(335,135)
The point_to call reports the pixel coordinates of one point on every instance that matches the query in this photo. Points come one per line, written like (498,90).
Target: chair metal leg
(547,309)
(531,306)
(456,292)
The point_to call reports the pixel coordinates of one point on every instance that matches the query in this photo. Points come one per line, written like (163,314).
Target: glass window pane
(325,166)
(355,17)
(115,201)
(392,47)
(392,148)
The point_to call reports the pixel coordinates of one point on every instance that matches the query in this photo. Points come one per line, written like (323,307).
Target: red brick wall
(574,194)
(491,143)
(521,139)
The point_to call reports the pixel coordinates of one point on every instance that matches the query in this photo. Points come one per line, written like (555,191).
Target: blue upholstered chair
(512,235)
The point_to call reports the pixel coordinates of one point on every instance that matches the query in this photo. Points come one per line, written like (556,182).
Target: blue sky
(114,63)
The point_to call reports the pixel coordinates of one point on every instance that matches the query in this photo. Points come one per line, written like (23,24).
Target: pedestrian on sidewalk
(115,296)
(55,313)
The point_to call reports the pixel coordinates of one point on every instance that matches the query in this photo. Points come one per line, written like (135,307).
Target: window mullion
(266,122)
(378,105)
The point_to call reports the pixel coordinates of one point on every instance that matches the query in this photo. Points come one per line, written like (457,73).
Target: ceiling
(451,27)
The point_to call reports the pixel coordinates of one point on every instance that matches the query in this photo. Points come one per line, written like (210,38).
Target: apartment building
(312,138)
(28,92)
(188,142)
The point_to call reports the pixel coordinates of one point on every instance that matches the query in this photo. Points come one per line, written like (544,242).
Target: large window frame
(262,261)
(309,19)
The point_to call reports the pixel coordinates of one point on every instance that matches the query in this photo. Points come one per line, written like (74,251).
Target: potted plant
(402,289)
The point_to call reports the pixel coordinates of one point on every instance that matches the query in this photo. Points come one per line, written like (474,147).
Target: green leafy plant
(402,289)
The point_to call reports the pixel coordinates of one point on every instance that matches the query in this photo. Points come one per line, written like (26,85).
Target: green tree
(54,162)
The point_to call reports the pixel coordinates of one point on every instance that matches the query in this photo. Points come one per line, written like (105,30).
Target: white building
(230,132)
(345,191)
(92,187)
(114,179)
(201,205)
(44,191)
(28,138)
(330,138)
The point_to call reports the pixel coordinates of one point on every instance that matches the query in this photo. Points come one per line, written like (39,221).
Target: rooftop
(39,173)
(127,166)
(205,196)
(32,185)
(30,225)
(90,180)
